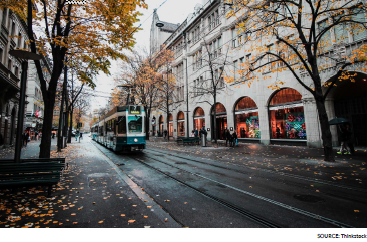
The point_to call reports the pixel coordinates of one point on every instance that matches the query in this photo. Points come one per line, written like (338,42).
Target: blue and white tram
(122,129)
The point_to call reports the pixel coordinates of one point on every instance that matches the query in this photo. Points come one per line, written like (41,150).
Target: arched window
(287,118)
(199,119)
(180,124)
(247,119)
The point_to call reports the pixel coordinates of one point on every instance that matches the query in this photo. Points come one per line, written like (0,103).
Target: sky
(172,11)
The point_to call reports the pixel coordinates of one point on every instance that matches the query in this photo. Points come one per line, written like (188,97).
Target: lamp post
(24,56)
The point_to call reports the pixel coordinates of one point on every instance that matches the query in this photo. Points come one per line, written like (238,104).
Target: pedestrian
(343,139)
(165,133)
(25,138)
(36,135)
(76,135)
(231,140)
(349,140)
(81,136)
(53,135)
(193,133)
(227,136)
(196,132)
(234,138)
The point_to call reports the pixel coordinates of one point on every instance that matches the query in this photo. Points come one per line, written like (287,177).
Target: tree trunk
(45,147)
(325,130)
(71,123)
(215,117)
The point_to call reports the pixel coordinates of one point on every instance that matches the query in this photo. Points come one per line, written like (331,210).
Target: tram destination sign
(134,110)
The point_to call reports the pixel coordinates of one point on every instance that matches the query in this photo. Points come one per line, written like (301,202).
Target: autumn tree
(166,83)
(91,33)
(296,36)
(141,72)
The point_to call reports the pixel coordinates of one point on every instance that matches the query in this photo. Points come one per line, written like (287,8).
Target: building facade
(257,113)
(10,73)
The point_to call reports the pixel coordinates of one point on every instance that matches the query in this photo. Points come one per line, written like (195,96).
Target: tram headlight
(135,140)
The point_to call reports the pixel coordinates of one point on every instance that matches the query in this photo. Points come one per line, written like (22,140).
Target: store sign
(134,110)
(246,111)
(286,106)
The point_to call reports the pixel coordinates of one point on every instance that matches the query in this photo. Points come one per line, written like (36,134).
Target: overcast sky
(172,11)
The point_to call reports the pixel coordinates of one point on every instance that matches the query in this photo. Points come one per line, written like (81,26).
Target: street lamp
(24,56)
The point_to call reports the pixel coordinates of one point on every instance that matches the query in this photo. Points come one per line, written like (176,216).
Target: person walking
(192,133)
(227,136)
(165,133)
(230,140)
(81,136)
(25,138)
(349,139)
(196,132)
(36,135)
(234,139)
(76,135)
(343,139)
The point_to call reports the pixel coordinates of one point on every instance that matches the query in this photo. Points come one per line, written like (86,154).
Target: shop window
(247,119)
(219,108)
(287,115)
(199,119)
(181,124)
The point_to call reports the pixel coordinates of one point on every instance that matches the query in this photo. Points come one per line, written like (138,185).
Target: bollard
(203,141)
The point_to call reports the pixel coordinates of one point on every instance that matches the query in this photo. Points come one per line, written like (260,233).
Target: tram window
(135,124)
(121,129)
(113,126)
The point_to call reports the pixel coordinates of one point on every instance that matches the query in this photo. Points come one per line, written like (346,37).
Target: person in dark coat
(25,138)
(165,133)
(196,132)
(349,139)
(227,136)
(343,139)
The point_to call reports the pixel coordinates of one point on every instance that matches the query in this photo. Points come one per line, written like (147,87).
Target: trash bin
(203,140)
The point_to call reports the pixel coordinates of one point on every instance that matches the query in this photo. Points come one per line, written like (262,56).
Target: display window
(180,124)
(247,119)
(170,125)
(287,118)
(199,120)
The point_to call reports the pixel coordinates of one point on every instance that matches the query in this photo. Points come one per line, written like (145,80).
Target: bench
(31,172)
(188,140)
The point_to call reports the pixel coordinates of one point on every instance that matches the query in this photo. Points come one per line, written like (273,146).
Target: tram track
(314,180)
(245,213)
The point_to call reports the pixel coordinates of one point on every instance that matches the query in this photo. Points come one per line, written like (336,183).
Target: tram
(122,129)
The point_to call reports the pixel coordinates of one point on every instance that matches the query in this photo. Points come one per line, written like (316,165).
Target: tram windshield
(135,124)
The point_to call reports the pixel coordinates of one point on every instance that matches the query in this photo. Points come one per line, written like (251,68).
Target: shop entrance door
(221,126)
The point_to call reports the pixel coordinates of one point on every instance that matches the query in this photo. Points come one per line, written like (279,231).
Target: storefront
(199,118)
(170,125)
(221,118)
(181,124)
(247,119)
(287,118)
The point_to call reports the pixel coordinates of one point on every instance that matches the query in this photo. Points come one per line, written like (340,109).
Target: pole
(187,103)
(18,142)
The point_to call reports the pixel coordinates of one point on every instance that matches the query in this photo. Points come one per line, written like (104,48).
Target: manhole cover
(308,198)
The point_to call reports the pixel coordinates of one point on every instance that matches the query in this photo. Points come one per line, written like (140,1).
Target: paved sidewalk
(93,193)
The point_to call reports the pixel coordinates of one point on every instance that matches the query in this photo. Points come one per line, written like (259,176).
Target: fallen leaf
(100,222)
(356,211)
(122,215)
(131,221)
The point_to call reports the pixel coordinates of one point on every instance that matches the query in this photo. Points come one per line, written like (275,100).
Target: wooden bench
(31,172)
(188,140)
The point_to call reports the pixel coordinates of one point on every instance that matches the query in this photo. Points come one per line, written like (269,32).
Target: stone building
(258,114)
(10,73)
